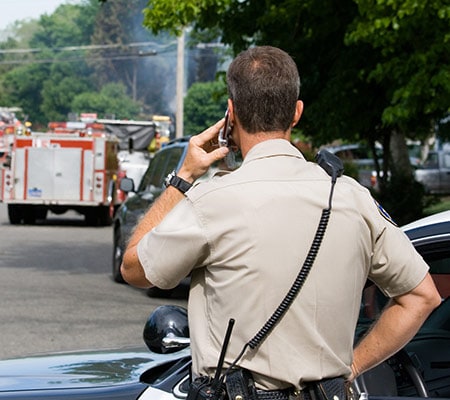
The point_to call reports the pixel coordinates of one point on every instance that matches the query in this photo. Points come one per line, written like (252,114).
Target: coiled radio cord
(334,167)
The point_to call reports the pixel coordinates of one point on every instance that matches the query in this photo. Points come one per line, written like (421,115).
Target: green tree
(19,35)
(64,83)
(68,25)
(148,70)
(413,70)
(111,100)
(205,103)
(49,78)
(366,72)
(23,88)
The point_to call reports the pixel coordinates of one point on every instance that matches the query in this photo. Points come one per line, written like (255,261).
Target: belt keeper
(240,385)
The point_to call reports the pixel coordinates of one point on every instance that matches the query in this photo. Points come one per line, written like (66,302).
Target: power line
(87,47)
(105,57)
(82,58)
(163,49)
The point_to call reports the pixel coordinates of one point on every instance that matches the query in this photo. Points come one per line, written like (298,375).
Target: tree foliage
(69,25)
(22,87)
(81,49)
(112,101)
(147,71)
(371,70)
(205,103)
(349,53)
(48,77)
(412,39)
(173,16)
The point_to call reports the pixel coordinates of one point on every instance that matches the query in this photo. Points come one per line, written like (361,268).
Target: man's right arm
(200,156)
(397,325)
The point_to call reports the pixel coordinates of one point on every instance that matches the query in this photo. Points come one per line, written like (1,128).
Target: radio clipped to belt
(237,383)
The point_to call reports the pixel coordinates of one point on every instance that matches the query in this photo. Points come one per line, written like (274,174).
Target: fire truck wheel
(15,214)
(97,216)
(90,217)
(29,215)
(104,215)
(41,213)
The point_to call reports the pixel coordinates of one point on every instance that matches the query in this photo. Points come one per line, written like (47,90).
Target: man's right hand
(201,155)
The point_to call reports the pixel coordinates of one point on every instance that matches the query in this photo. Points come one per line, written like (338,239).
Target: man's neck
(248,140)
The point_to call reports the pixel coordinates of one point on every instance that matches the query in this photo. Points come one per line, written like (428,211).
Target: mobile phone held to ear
(225,140)
(225,132)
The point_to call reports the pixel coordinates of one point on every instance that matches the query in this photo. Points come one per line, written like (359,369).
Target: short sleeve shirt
(243,237)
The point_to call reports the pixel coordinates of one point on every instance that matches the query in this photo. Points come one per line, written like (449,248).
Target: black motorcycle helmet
(166,321)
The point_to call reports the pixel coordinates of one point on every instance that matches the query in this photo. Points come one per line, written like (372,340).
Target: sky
(13,10)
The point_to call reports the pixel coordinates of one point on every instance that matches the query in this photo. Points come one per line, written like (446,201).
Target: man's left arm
(397,325)
(197,162)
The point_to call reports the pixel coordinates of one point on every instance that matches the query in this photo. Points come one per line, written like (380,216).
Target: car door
(429,173)
(425,361)
(430,348)
(444,173)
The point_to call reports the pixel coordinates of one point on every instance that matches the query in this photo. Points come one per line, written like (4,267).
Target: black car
(422,368)
(169,158)
(161,372)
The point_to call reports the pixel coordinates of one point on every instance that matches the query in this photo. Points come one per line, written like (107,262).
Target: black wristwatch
(174,180)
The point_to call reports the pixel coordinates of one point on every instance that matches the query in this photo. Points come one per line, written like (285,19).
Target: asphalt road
(57,293)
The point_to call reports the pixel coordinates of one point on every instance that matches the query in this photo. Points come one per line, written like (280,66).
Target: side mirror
(167,329)
(126,185)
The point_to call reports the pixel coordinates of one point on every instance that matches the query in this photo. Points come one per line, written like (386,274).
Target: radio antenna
(216,381)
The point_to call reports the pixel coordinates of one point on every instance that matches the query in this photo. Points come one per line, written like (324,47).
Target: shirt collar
(272,148)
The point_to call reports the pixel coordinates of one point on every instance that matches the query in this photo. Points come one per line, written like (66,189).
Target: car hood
(80,369)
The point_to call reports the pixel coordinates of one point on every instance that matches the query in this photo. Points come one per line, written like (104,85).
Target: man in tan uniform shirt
(244,236)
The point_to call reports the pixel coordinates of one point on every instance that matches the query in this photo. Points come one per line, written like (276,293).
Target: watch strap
(174,180)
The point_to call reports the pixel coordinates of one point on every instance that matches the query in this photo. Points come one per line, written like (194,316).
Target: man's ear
(298,112)
(230,111)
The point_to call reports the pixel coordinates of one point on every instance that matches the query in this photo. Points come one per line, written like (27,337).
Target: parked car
(133,164)
(161,372)
(422,368)
(168,158)
(361,157)
(434,173)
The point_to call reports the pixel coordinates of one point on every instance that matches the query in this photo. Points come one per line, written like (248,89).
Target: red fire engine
(73,166)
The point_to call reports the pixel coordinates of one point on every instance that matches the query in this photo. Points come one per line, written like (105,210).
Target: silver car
(434,173)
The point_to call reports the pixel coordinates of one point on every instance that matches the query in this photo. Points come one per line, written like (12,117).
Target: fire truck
(73,166)
(9,125)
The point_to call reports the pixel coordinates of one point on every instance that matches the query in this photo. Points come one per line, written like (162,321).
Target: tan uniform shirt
(245,236)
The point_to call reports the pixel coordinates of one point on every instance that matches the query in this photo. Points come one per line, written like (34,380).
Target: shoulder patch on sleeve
(384,213)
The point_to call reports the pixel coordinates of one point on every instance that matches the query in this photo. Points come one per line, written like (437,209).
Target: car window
(359,152)
(440,271)
(155,164)
(431,162)
(447,160)
(172,161)
(159,169)
(163,162)
(437,256)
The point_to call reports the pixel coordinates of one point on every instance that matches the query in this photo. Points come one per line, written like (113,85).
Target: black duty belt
(327,389)
(285,394)
(274,394)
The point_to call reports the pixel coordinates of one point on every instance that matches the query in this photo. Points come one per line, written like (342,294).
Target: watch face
(177,182)
(169,178)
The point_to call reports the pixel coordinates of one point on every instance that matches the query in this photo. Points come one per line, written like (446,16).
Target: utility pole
(180,86)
